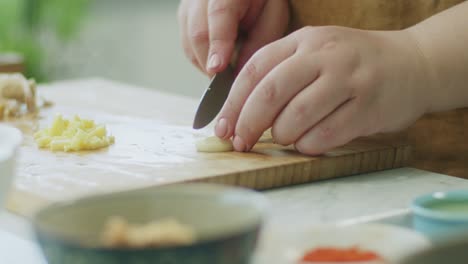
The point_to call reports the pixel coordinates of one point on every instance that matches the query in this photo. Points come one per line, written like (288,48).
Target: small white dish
(288,244)
(10,140)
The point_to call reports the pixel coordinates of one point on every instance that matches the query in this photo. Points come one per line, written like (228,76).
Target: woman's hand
(209,29)
(321,87)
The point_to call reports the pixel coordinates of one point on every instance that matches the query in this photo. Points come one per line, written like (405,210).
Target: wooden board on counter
(155,145)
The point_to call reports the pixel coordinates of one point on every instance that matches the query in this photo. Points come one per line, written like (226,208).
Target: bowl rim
(419,205)
(259,201)
(14,139)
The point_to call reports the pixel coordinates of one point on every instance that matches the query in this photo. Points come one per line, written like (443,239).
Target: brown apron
(439,140)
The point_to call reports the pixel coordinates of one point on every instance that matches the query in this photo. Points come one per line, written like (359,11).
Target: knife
(214,97)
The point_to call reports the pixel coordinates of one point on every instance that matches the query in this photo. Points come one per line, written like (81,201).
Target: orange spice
(328,254)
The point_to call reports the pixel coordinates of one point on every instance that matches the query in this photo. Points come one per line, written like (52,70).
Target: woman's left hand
(321,87)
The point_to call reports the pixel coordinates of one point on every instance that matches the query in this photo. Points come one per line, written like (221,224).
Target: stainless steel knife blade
(214,97)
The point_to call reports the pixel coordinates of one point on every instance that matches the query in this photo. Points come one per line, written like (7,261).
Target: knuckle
(314,31)
(367,77)
(194,60)
(373,75)
(363,83)
(189,54)
(245,131)
(325,133)
(251,70)
(217,8)
(187,50)
(353,57)
(199,36)
(327,37)
(301,35)
(328,32)
(304,31)
(306,148)
(269,92)
(299,111)
(329,44)
(230,108)
(191,57)
(280,136)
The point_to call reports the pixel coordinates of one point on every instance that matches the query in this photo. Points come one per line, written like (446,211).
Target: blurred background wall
(135,42)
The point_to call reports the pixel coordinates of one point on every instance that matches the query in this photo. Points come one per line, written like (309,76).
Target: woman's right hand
(209,29)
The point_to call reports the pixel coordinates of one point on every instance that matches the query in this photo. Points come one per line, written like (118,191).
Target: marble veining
(356,196)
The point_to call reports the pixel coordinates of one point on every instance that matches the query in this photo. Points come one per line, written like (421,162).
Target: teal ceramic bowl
(227,222)
(441,214)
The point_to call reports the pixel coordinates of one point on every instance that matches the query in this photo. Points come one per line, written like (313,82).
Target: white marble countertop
(380,196)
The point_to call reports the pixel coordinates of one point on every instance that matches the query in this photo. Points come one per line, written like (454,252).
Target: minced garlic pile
(73,135)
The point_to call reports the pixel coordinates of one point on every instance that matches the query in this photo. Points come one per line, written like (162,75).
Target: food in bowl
(289,244)
(118,233)
(226,221)
(453,207)
(73,135)
(341,255)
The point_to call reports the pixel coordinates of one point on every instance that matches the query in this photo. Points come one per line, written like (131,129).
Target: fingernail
(239,144)
(214,62)
(221,128)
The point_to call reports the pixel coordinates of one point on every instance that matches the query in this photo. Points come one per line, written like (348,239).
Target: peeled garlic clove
(214,144)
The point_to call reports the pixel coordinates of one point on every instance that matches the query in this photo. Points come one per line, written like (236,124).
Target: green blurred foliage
(22,21)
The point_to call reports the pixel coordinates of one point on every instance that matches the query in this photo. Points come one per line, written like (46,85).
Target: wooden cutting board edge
(361,158)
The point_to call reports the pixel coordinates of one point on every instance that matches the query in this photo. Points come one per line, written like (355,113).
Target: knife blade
(214,97)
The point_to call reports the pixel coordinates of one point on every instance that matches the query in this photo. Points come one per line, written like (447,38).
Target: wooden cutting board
(155,145)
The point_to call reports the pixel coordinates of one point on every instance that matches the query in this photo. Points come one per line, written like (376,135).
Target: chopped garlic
(73,135)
